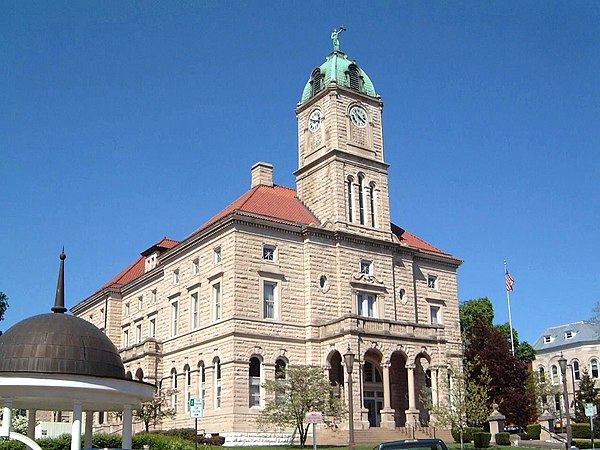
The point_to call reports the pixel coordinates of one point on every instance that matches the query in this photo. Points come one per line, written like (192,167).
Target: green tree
(468,400)
(3,306)
(477,308)
(305,389)
(156,410)
(523,350)
(587,394)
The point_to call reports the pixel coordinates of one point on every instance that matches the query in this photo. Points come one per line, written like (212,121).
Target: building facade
(287,277)
(579,344)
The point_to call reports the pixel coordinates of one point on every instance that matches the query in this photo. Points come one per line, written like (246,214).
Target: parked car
(413,444)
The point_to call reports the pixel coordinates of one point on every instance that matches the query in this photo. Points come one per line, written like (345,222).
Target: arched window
(254,382)
(217,365)
(174,397)
(542,374)
(555,379)
(576,373)
(280,377)
(371,373)
(361,198)
(373,205)
(594,368)
(316,82)
(350,183)
(354,80)
(139,374)
(188,387)
(128,375)
(202,383)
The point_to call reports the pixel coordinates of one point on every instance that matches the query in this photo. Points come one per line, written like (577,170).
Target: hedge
(582,431)
(481,439)
(502,438)
(467,433)
(534,431)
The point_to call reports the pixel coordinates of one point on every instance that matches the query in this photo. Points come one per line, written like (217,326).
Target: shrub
(502,438)
(481,439)
(534,431)
(581,430)
(524,436)
(12,445)
(161,442)
(104,440)
(62,442)
(467,433)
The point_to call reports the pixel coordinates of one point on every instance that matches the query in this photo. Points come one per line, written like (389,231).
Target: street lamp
(562,362)
(349,360)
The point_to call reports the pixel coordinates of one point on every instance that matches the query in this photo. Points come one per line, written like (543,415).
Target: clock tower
(342,176)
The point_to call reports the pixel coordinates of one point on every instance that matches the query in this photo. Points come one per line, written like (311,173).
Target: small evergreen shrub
(502,438)
(161,442)
(524,436)
(105,440)
(581,430)
(467,433)
(481,439)
(62,442)
(534,431)
(12,445)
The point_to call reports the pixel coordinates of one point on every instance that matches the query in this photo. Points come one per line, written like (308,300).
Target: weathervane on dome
(335,38)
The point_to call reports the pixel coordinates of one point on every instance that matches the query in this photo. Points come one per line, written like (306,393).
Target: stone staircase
(374,436)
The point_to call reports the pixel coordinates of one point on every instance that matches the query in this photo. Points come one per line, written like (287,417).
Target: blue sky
(123,122)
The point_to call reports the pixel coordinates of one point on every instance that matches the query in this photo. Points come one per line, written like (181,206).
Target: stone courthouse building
(285,277)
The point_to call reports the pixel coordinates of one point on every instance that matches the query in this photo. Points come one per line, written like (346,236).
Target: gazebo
(58,362)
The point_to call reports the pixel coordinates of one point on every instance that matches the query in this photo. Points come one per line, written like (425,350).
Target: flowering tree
(304,389)
(157,409)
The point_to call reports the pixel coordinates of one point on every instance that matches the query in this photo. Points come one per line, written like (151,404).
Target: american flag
(509,282)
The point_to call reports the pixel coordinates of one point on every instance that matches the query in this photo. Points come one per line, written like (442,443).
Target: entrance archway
(399,387)
(373,387)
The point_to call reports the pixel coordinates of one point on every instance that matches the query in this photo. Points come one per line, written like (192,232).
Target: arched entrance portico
(373,388)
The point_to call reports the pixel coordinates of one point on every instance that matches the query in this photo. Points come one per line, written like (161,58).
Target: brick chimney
(262,174)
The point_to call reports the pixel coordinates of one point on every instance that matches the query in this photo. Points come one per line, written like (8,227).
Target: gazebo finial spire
(59,301)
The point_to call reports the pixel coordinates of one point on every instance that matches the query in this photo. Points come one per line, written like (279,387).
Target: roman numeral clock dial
(358,116)
(314,120)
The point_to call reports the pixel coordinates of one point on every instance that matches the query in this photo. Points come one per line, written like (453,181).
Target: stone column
(387,413)
(76,427)
(89,422)
(435,394)
(496,420)
(127,427)
(6,418)
(31,423)
(412,413)
(546,420)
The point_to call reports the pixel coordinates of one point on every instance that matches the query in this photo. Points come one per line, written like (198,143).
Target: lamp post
(562,362)
(349,360)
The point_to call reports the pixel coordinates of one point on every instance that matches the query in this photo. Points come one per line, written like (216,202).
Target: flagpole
(512,341)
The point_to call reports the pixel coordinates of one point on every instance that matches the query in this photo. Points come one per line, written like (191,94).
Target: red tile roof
(138,268)
(276,203)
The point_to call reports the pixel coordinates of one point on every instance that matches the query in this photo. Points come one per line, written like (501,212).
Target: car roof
(412,443)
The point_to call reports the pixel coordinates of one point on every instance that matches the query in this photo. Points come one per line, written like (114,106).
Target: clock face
(314,121)
(358,116)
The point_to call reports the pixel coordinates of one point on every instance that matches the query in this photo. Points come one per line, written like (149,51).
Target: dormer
(155,251)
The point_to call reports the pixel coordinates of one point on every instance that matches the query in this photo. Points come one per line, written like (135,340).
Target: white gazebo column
(127,428)
(31,423)
(6,418)
(412,414)
(76,427)
(89,422)
(387,413)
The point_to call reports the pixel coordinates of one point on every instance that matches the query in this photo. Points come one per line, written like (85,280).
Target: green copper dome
(338,68)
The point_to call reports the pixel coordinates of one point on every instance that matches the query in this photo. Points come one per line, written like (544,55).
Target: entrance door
(374,406)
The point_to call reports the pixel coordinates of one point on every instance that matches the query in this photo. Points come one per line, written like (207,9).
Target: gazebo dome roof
(59,344)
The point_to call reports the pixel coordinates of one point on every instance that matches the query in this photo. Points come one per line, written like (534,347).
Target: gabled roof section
(137,269)
(411,240)
(164,244)
(570,334)
(276,203)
